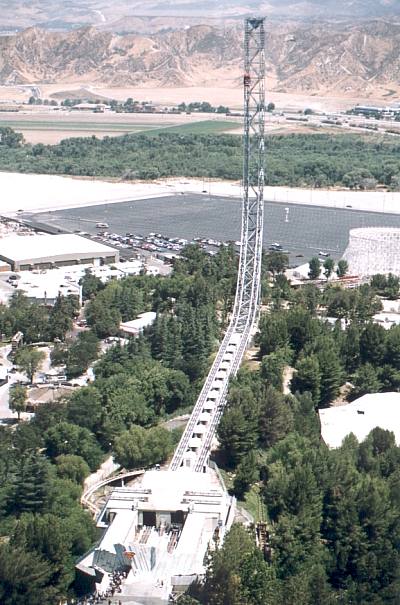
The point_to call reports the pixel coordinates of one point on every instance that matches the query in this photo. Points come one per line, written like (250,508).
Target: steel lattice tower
(194,447)
(253,169)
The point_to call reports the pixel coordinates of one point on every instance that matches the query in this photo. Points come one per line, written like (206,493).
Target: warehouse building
(39,251)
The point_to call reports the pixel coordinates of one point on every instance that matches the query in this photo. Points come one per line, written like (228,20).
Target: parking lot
(303,230)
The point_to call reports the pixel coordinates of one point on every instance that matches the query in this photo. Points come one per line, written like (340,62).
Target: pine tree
(31,484)
(331,375)
(373,344)
(275,419)
(308,377)
(247,473)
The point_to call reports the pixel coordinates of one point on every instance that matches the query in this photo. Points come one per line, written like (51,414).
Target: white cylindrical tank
(373,250)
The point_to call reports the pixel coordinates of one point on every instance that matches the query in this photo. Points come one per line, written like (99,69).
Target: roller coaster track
(194,447)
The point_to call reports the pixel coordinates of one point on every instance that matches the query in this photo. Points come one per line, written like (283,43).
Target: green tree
(85,408)
(103,319)
(9,138)
(315,268)
(246,474)
(329,265)
(28,360)
(365,380)
(91,285)
(373,344)
(238,429)
(367,303)
(186,599)
(302,327)
(18,399)
(308,377)
(276,262)
(342,268)
(66,438)
(31,484)
(81,353)
(331,373)
(339,302)
(237,573)
(350,350)
(393,347)
(273,333)
(275,419)
(24,577)
(392,287)
(61,316)
(139,447)
(272,367)
(70,466)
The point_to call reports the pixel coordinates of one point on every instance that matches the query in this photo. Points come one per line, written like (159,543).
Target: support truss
(194,447)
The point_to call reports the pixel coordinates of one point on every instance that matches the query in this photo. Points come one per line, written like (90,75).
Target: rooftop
(136,325)
(360,417)
(22,247)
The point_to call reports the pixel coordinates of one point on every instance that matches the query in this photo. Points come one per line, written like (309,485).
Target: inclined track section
(194,447)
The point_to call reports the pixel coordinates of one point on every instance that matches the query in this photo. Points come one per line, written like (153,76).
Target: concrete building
(360,417)
(26,252)
(160,527)
(136,326)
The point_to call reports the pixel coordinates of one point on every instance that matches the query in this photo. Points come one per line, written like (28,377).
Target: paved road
(5,412)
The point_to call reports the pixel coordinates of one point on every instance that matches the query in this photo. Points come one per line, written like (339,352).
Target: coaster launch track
(193,449)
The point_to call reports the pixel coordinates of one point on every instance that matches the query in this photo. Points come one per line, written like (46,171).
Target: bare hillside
(313,58)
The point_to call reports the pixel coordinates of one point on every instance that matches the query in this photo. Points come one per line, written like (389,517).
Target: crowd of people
(106,597)
(116,580)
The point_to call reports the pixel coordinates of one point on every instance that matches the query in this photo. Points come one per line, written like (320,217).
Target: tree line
(314,160)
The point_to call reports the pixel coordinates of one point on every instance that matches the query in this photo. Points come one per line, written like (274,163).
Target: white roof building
(160,528)
(43,251)
(44,286)
(136,326)
(387,320)
(360,417)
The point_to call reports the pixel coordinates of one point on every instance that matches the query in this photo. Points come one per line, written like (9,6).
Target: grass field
(52,131)
(203,127)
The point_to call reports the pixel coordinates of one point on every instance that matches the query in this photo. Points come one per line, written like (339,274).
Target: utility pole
(253,169)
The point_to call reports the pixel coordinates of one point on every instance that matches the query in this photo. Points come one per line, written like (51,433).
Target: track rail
(194,447)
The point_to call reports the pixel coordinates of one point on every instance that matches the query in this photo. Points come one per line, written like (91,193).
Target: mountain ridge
(59,15)
(313,58)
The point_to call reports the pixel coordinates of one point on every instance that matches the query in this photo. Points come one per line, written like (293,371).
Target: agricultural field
(203,127)
(51,127)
